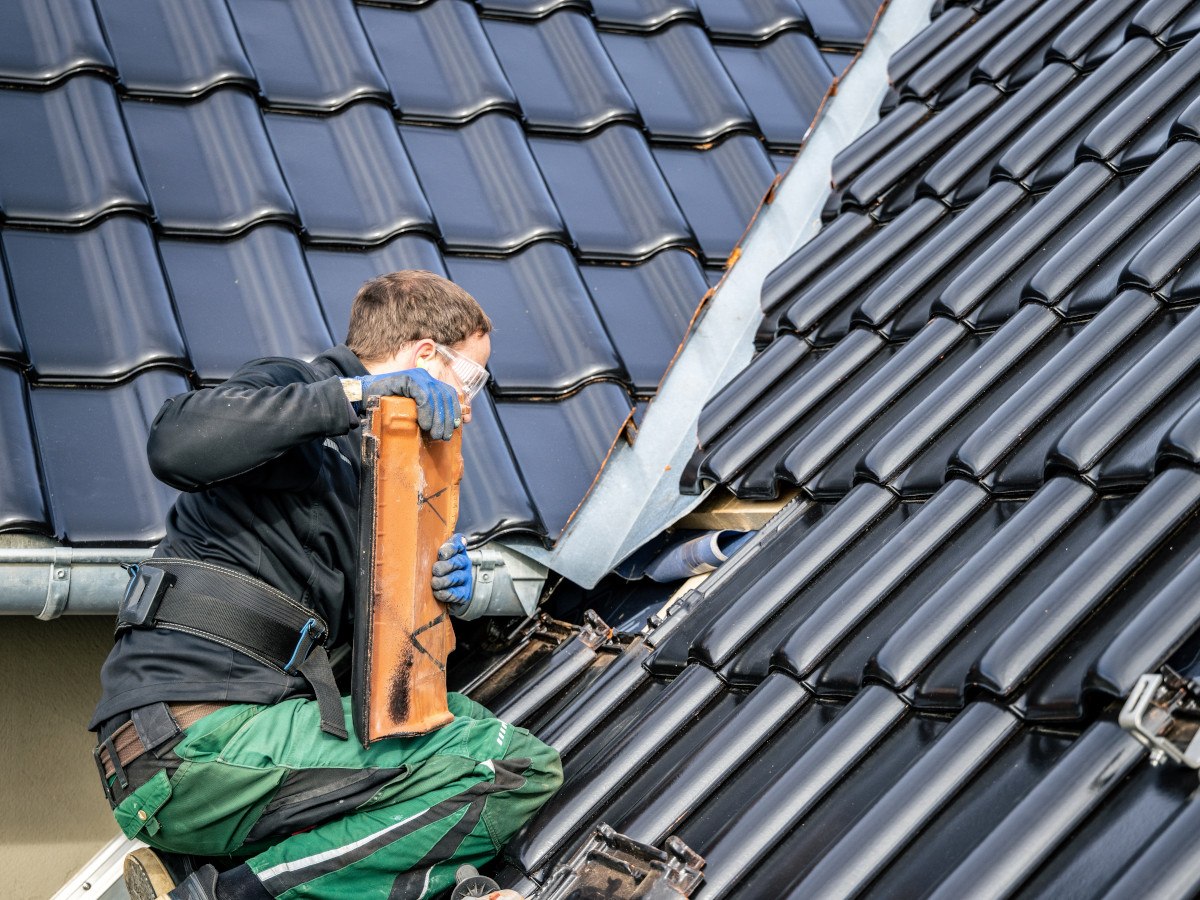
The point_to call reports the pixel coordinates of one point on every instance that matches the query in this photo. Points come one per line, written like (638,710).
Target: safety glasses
(470,374)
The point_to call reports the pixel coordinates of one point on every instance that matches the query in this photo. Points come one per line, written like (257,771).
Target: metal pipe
(48,582)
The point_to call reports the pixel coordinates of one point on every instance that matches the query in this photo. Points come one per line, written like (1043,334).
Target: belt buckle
(118,769)
(310,635)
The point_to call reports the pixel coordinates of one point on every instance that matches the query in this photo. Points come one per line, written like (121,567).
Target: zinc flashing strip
(637,494)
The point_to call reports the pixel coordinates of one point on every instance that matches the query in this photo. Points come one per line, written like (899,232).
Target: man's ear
(424,353)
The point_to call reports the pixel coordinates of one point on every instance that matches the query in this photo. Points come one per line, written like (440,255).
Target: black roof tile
(175,50)
(682,90)
(494,499)
(1017,56)
(1182,442)
(349,175)
(243,299)
(438,61)
(208,165)
(44,40)
(93,303)
(647,309)
(928,42)
(339,273)
(750,19)
(483,184)
(12,345)
(101,490)
(718,190)
(561,73)
(643,15)
(22,506)
(309,53)
(1156,17)
(1184,28)
(564,442)
(1091,38)
(784,82)
(549,337)
(1041,156)
(67,157)
(843,24)
(529,8)
(612,194)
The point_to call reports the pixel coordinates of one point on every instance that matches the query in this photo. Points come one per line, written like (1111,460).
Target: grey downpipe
(48,582)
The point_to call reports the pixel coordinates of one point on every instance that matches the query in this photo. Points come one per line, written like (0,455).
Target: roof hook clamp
(1163,712)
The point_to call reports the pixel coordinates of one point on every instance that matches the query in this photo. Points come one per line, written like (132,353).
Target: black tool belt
(240,612)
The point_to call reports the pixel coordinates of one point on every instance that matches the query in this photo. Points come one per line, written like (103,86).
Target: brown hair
(393,310)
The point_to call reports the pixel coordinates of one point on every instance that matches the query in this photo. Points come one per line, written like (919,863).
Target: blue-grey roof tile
(841,24)
(612,194)
(1155,18)
(718,190)
(561,444)
(438,61)
(44,40)
(101,489)
(93,303)
(549,337)
(530,9)
(1018,56)
(647,309)
(784,82)
(339,273)
(66,155)
(643,15)
(349,175)
(1090,39)
(561,73)
(494,499)
(22,506)
(483,184)
(750,19)
(310,54)
(929,41)
(243,299)
(181,49)
(208,164)
(12,345)
(682,90)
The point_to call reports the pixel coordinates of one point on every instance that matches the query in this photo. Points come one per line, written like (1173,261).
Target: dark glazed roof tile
(843,24)
(643,15)
(1045,153)
(1156,17)
(784,82)
(1183,29)
(614,198)
(94,303)
(66,154)
(529,9)
(1093,37)
(828,246)
(681,89)
(12,346)
(338,274)
(310,54)
(647,309)
(549,337)
(483,184)
(350,176)
(179,49)
(43,40)
(561,444)
(494,499)
(1017,56)
(101,490)
(929,41)
(1182,442)
(22,507)
(719,190)
(438,61)
(750,19)
(561,73)
(878,139)
(208,164)
(1166,253)
(243,299)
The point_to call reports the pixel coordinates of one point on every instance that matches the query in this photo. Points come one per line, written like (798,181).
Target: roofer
(213,741)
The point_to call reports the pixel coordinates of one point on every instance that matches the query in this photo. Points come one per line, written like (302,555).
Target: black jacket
(268,463)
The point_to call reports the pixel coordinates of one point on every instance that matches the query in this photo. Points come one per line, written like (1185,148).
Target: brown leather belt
(128,742)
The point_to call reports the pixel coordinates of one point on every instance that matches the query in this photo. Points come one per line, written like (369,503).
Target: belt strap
(129,742)
(250,616)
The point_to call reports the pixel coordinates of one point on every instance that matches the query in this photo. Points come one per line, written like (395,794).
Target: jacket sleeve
(257,427)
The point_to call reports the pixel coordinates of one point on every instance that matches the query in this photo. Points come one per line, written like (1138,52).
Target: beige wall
(54,817)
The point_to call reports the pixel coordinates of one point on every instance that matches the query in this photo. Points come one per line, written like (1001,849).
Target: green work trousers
(314,816)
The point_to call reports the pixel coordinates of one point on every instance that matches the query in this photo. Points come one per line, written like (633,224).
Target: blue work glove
(438,409)
(453,581)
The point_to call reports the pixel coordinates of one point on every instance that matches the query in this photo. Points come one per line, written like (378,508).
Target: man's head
(398,321)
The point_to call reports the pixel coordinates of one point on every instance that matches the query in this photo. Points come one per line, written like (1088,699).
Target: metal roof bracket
(1163,712)
(613,865)
(58,586)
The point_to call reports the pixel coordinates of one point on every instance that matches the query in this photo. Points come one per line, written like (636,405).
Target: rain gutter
(636,495)
(50,581)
